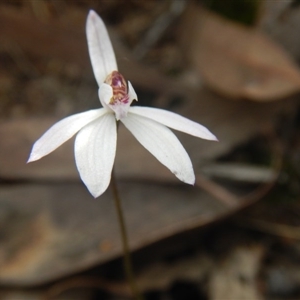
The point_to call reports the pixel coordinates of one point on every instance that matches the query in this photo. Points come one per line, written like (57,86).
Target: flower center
(119,87)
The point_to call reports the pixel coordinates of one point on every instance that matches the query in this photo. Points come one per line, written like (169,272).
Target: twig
(214,189)
(159,27)
(232,200)
(282,230)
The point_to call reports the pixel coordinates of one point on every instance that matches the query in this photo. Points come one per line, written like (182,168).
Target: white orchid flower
(95,144)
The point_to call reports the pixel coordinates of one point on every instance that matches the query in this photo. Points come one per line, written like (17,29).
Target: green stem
(126,259)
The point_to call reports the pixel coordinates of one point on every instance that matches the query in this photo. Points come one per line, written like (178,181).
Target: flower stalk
(126,251)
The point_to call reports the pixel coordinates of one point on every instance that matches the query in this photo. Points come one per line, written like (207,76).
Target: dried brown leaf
(237,61)
(52,230)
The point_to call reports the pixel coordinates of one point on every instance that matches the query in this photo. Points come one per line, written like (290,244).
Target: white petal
(100,49)
(95,150)
(105,94)
(174,121)
(131,93)
(163,144)
(62,131)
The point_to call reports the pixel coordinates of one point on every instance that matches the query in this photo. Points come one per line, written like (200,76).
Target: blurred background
(232,66)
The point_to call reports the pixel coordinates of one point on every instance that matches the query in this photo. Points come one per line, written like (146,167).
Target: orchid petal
(62,131)
(95,150)
(173,121)
(161,142)
(131,93)
(105,94)
(100,49)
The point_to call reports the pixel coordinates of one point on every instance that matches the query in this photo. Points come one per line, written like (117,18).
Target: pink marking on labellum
(119,86)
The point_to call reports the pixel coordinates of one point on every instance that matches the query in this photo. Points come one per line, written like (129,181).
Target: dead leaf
(52,230)
(237,61)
